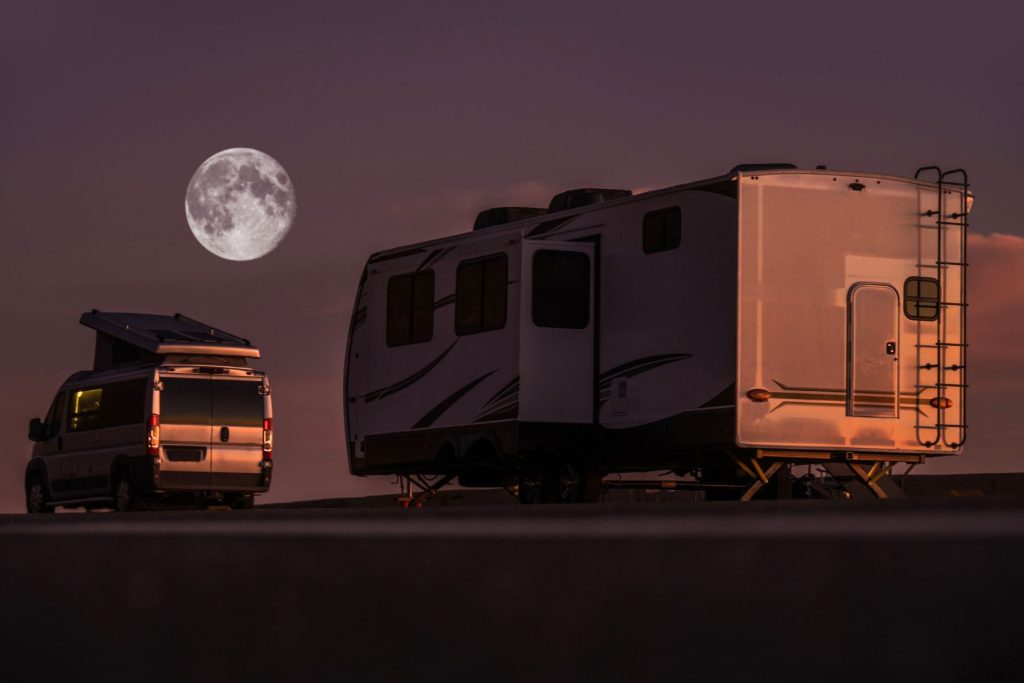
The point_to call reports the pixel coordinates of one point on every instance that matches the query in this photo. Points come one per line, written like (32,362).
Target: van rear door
(185,433)
(237,436)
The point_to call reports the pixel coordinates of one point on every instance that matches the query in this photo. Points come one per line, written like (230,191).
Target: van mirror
(36,430)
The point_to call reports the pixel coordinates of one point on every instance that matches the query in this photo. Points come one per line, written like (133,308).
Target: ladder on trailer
(942,363)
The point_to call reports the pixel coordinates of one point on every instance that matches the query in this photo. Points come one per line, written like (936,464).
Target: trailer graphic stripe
(511,388)
(359,318)
(835,397)
(439,410)
(549,226)
(408,381)
(639,365)
(444,301)
(398,254)
(434,257)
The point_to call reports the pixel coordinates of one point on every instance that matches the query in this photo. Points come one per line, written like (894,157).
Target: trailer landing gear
(427,489)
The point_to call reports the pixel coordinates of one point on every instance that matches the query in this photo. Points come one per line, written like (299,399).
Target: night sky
(398,123)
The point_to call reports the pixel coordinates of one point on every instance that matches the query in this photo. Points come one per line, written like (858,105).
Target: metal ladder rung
(951,384)
(951,426)
(948,304)
(939,345)
(934,366)
(952,263)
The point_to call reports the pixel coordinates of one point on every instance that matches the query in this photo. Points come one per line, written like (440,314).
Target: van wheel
(124,493)
(35,496)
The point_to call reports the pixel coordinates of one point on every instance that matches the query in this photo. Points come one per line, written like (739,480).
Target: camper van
(171,413)
(723,329)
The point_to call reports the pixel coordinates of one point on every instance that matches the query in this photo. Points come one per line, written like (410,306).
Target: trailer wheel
(530,488)
(571,482)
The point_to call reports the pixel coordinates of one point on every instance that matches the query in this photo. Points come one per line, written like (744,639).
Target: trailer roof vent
(500,215)
(748,168)
(584,196)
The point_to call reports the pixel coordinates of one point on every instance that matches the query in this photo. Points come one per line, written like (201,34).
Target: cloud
(464,203)
(996,315)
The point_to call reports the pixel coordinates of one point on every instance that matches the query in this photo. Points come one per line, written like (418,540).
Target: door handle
(225,434)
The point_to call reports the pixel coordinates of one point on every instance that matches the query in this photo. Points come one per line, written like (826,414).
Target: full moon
(240,204)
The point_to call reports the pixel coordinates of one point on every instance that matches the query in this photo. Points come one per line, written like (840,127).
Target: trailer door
(557,328)
(872,388)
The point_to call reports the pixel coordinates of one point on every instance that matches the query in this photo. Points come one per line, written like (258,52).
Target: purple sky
(399,122)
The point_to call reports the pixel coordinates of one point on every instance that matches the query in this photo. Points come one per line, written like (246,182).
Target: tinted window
(185,401)
(561,289)
(124,403)
(239,404)
(481,294)
(410,314)
(662,230)
(921,298)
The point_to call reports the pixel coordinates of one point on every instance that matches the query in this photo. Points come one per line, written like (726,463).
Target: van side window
(561,289)
(662,229)
(410,314)
(921,298)
(124,403)
(481,294)
(112,405)
(85,409)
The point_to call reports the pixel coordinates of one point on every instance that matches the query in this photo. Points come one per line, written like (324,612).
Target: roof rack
(164,334)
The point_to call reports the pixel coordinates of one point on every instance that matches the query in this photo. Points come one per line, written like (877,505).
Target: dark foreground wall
(897,590)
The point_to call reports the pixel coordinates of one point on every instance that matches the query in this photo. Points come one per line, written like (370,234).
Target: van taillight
(153,436)
(268,438)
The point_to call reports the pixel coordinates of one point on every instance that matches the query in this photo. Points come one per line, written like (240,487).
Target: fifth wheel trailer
(722,329)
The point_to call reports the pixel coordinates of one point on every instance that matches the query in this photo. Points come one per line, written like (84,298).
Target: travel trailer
(722,329)
(170,413)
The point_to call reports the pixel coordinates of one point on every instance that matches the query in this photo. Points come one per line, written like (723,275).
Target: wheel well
(35,469)
(481,451)
(120,465)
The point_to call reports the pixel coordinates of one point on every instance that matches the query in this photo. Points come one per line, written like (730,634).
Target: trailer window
(561,289)
(662,230)
(410,315)
(921,298)
(481,294)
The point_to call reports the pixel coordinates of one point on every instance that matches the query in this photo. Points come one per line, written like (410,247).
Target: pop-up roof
(164,334)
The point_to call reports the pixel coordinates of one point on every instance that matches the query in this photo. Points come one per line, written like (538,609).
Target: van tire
(123,492)
(36,498)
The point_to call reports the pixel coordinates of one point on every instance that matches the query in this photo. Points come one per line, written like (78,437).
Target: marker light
(941,402)
(268,438)
(759,395)
(153,436)
(970,202)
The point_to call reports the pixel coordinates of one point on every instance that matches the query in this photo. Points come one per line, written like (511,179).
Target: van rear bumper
(247,482)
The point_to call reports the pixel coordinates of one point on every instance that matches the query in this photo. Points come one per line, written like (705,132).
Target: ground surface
(876,590)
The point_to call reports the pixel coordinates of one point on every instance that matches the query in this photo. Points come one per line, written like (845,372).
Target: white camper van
(170,412)
(723,329)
